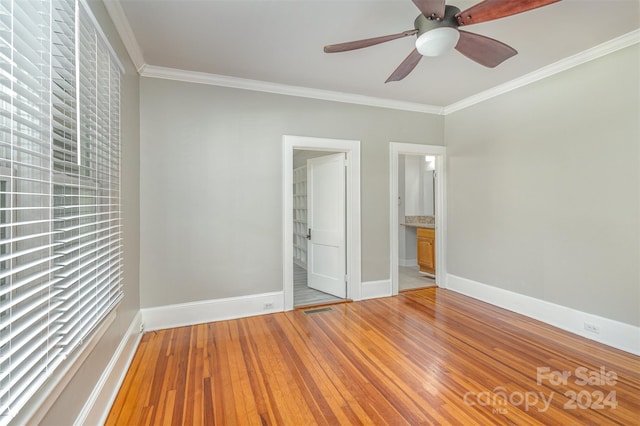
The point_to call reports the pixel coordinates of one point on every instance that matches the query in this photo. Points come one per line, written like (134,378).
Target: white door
(326,266)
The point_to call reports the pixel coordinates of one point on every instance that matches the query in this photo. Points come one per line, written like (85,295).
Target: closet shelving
(300,216)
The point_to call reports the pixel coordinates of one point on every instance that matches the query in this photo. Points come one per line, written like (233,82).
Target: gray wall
(211,184)
(543,187)
(71,401)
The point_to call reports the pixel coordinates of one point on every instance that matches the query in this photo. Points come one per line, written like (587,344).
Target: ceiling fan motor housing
(424,24)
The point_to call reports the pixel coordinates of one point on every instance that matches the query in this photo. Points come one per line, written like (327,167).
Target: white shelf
(300,216)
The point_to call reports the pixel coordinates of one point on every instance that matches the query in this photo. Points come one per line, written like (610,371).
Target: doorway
(294,247)
(416,221)
(418,226)
(319,212)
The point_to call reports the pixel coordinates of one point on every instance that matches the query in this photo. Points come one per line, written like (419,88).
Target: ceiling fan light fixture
(437,41)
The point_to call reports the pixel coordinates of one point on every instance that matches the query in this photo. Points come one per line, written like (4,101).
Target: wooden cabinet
(427,250)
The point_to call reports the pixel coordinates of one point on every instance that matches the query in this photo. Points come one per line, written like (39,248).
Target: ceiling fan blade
(489,10)
(429,8)
(406,66)
(484,50)
(359,44)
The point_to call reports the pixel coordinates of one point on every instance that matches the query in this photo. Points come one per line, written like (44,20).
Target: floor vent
(317,310)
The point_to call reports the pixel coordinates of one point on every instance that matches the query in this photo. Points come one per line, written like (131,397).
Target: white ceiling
(281,42)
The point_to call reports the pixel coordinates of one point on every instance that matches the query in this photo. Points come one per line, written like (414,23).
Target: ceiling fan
(437,32)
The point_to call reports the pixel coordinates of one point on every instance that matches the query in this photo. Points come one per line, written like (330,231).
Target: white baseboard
(408,262)
(617,334)
(96,408)
(374,289)
(179,315)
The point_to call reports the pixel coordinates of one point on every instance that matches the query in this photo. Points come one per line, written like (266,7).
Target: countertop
(420,225)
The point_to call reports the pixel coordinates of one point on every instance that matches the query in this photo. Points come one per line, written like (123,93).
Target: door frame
(353,236)
(439,152)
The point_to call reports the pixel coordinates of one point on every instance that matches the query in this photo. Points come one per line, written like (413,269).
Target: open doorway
(416,221)
(294,255)
(319,212)
(417,217)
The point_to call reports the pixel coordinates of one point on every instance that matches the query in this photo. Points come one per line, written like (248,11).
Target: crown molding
(596,52)
(284,89)
(121,23)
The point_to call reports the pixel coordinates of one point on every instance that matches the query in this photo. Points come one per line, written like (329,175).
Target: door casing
(353,235)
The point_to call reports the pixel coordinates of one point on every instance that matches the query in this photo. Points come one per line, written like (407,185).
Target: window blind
(60,220)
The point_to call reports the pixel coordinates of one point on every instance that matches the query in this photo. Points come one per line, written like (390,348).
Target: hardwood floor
(428,356)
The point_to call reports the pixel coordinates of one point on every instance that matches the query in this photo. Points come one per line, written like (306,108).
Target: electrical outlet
(268,306)
(141,327)
(591,328)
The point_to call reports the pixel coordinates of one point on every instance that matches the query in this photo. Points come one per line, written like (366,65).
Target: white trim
(120,21)
(352,150)
(182,314)
(283,89)
(97,407)
(596,52)
(612,333)
(395,149)
(375,289)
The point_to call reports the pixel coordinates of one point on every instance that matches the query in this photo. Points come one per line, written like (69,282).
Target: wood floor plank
(428,356)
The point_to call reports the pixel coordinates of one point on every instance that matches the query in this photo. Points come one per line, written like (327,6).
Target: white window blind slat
(81,251)
(90,307)
(83,272)
(27,223)
(82,259)
(82,313)
(31,376)
(87,234)
(26,316)
(16,380)
(16,255)
(25,337)
(27,266)
(24,237)
(22,349)
(77,227)
(28,281)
